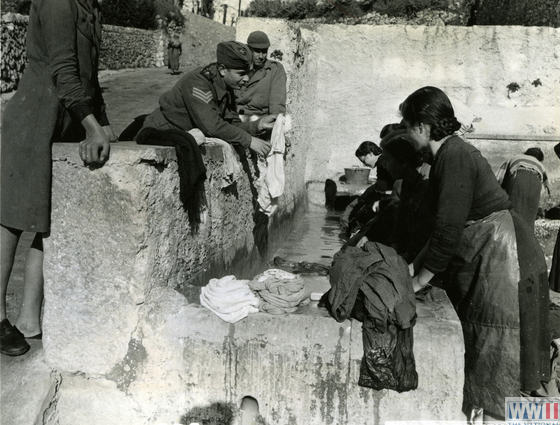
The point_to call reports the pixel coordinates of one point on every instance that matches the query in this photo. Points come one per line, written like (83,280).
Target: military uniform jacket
(201,99)
(265,93)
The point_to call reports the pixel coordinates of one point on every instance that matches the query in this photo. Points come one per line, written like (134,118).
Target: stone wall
(123,47)
(200,37)
(119,330)
(120,48)
(13,59)
(346,83)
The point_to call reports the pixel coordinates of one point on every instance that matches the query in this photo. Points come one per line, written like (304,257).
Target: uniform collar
(261,72)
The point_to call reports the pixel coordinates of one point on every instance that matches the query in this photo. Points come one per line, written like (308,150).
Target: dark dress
(57,91)
(495,275)
(554,276)
(414,217)
(174,50)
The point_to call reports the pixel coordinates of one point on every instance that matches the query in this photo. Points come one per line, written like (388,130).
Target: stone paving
(129,93)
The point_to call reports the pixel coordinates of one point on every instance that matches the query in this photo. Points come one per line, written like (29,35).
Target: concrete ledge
(183,362)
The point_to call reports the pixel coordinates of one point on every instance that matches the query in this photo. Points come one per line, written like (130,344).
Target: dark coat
(57,91)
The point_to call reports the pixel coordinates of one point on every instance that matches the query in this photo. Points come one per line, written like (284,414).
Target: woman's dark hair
(368,147)
(535,152)
(402,148)
(389,128)
(430,105)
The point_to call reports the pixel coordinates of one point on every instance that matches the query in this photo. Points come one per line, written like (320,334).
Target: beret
(258,40)
(234,55)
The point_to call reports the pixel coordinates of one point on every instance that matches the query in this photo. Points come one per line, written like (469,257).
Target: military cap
(234,55)
(258,40)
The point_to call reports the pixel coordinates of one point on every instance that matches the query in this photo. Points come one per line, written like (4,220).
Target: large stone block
(120,231)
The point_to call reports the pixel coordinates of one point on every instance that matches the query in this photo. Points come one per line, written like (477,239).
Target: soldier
(204,99)
(265,93)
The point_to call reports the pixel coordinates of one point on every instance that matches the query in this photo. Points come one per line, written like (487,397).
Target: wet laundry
(281,292)
(230,299)
(372,284)
(301,267)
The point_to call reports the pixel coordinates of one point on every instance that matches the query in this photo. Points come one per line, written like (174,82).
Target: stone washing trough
(126,346)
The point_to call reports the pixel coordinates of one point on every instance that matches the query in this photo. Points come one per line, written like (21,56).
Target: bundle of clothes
(372,284)
(274,291)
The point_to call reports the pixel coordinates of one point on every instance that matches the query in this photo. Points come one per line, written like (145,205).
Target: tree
(130,13)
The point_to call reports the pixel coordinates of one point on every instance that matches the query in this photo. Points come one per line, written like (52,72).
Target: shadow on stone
(214,414)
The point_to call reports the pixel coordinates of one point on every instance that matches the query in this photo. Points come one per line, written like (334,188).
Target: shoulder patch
(200,94)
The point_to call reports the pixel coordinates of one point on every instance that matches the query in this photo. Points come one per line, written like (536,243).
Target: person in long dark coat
(495,271)
(174,50)
(58,99)
(554,276)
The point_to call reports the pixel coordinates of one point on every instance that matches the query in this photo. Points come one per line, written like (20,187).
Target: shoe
(38,336)
(12,341)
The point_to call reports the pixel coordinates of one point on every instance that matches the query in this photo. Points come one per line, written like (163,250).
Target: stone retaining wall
(13,59)
(346,83)
(200,38)
(120,48)
(123,47)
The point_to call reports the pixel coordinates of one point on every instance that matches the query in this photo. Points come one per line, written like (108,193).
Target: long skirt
(524,190)
(497,283)
(554,276)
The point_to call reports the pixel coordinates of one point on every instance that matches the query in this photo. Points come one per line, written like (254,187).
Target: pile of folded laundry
(274,291)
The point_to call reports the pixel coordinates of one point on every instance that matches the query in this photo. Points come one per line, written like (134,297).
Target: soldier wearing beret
(204,99)
(265,93)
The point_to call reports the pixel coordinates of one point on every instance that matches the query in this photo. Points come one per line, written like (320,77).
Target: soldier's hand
(262,147)
(267,122)
(110,133)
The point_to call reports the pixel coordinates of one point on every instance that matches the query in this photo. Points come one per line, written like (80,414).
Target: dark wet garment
(301,267)
(192,172)
(373,285)
(554,276)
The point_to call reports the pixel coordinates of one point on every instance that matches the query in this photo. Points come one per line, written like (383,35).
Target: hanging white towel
(270,184)
(275,159)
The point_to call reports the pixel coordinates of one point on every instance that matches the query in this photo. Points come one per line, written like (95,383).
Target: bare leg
(12,342)
(9,239)
(29,319)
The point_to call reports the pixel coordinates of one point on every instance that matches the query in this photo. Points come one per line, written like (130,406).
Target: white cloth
(270,184)
(275,159)
(232,166)
(230,299)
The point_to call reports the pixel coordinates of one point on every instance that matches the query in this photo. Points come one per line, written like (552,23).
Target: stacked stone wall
(120,48)
(123,47)
(13,58)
